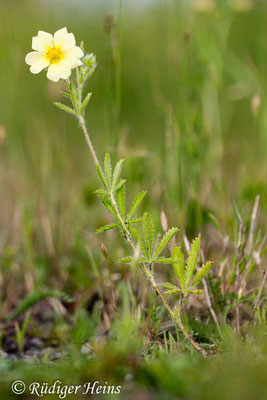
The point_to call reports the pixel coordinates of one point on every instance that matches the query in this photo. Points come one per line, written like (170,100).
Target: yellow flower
(58,53)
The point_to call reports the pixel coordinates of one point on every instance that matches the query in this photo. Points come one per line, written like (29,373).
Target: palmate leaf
(148,233)
(108,169)
(116,173)
(202,272)
(135,204)
(164,241)
(191,261)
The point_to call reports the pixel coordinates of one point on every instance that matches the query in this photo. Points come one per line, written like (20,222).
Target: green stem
(151,279)
(130,240)
(178,321)
(87,138)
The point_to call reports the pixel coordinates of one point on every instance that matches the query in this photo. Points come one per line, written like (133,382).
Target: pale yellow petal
(74,52)
(58,71)
(37,61)
(73,62)
(64,39)
(42,41)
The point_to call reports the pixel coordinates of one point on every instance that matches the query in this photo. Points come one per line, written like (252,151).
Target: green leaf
(131,259)
(165,240)
(34,298)
(136,203)
(90,72)
(101,192)
(168,285)
(121,200)
(195,291)
(164,260)
(63,107)
(214,219)
(134,233)
(173,291)
(107,228)
(119,184)
(116,174)
(136,220)
(65,94)
(170,288)
(126,260)
(86,101)
(101,176)
(178,265)
(191,261)
(106,202)
(73,95)
(138,240)
(148,233)
(108,169)
(80,76)
(202,272)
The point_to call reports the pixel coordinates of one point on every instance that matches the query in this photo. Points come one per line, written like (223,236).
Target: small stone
(86,348)
(129,377)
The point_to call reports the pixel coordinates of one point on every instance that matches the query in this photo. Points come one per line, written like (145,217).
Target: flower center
(54,54)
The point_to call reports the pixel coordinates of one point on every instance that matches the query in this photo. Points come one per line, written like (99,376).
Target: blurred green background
(180,93)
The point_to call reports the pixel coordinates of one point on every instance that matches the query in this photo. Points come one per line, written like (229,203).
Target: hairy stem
(128,235)
(151,279)
(88,140)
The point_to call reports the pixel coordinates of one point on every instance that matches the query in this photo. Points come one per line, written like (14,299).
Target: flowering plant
(60,55)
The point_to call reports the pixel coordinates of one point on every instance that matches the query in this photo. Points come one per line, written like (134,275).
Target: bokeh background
(180,93)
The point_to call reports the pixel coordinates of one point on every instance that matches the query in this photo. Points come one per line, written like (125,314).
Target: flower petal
(74,52)
(42,41)
(58,71)
(64,39)
(37,61)
(73,62)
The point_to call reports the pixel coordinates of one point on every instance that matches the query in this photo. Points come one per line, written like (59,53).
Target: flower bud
(89,60)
